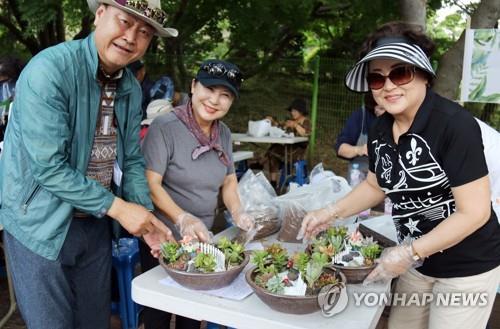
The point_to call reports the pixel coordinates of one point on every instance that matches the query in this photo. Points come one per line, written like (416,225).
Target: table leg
(12,298)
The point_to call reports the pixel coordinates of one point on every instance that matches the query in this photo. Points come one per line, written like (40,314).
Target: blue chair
(240,170)
(125,258)
(299,177)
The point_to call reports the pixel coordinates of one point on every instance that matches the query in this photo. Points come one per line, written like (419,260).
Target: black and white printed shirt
(442,149)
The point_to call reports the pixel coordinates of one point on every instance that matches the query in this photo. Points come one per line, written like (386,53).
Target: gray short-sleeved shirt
(193,184)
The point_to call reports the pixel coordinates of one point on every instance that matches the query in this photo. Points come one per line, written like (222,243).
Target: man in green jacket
(71,158)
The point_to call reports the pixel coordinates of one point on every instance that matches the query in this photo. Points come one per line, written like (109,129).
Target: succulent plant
(300,260)
(326,279)
(313,271)
(170,251)
(261,279)
(337,231)
(260,258)
(275,285)
(370,252)
(320,258)
(224,243)
(205,262)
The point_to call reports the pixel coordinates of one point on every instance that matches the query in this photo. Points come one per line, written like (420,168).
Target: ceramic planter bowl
(355,274)
(205,281)
(287,304)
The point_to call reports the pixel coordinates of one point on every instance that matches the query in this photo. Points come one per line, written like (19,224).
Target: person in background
(188,155)
(298,124)
(154,109)
(10,68)
(425,154)
(139,70)
(351,142)
(491,144)
(71,158)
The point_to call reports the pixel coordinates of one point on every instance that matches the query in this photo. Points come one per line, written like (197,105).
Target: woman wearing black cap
(425,154)
(300,125)
(188,155)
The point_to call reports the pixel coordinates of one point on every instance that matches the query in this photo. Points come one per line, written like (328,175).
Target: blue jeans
(72,291)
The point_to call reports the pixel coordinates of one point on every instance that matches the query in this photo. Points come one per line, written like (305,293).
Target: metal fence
(271,91)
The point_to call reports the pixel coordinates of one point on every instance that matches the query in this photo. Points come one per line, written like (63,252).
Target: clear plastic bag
(257,198)
(325,188)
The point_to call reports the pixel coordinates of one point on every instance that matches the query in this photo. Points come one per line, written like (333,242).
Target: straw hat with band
(387,48)
(148,11)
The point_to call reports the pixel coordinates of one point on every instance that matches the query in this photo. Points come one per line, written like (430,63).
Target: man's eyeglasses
(400,75)
(219,70)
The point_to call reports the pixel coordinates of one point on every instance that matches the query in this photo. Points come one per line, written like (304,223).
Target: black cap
(300,105)
(215,72)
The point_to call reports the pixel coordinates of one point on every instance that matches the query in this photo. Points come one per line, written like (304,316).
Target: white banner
(481,67)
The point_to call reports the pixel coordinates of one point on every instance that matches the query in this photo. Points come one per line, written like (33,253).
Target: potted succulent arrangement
(203,266)
(353,254)
(291,284)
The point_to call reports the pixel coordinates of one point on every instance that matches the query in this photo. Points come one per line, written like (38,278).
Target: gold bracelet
(332,210)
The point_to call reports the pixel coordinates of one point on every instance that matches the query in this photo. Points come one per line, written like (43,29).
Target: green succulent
(275,285)
(280,260)
(170,251)
(337,231)
(260,258)
(205,262)
(233,251)
(319,258)
(300,260)
(313,271)
(370,252)
(224,243)
(337,242)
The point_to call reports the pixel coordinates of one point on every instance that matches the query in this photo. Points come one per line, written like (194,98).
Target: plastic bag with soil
(291,215)
(257,198)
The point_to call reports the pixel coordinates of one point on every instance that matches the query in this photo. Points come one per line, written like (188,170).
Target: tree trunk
(449,74)
(413,11)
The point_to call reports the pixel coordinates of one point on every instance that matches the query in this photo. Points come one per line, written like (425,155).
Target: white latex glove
(393,262)
(189,225)
(243,220)
(317,221)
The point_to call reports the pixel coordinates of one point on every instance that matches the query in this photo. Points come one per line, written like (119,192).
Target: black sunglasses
(219,70)
(400,75)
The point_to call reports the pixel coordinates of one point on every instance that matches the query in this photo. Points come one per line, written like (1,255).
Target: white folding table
(250,312)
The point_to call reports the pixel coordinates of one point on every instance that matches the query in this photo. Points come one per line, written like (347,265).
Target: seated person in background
(351,142)
(300,125)
(154,109)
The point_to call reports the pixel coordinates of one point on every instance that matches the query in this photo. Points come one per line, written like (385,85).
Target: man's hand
(137,220)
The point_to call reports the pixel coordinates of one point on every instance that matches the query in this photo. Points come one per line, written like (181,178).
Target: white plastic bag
(276,132)
(259,128)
